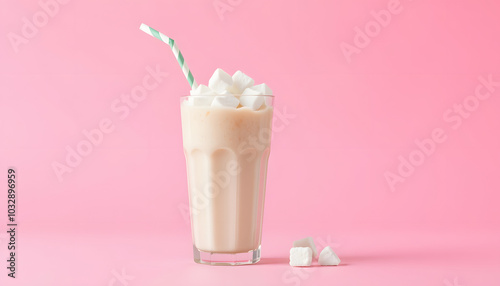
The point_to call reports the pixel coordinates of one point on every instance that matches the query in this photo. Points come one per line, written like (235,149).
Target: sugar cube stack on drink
(236,91)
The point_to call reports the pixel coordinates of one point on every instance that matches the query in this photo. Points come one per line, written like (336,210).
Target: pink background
(120,208)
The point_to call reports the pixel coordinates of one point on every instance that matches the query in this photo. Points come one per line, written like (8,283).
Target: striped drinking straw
(187,73)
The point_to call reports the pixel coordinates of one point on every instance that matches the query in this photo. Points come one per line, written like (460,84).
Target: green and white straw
(177,53)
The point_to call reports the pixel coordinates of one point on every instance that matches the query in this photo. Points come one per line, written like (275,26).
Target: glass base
(215,258)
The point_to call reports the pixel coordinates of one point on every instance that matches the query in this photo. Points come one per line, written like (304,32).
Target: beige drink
(226,151)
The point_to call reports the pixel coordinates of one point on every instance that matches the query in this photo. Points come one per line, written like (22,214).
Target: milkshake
(227,149)
(226,130)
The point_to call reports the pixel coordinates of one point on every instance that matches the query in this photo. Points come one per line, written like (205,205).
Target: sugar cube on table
(226,101)
(306,242)
(220,81)
(300,256)
(328,257)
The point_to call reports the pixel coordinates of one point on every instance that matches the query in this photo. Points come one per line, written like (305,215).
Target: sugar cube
(328,257)
(263,89)
(226,101)
(306,242)
(300,256)
(252,101)
(240,82)
(220,81)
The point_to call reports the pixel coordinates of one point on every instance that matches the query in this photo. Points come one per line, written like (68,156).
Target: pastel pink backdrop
(351,121)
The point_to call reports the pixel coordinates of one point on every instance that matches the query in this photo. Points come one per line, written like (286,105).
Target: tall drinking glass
(227,150)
